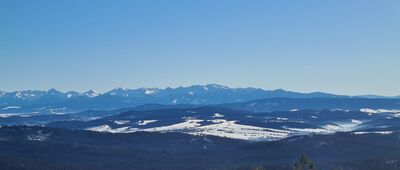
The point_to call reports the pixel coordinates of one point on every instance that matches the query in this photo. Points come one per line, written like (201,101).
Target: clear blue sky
(338,46)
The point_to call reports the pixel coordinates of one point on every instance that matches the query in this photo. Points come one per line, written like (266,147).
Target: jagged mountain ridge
(34,102)
(122,97)
(179,93)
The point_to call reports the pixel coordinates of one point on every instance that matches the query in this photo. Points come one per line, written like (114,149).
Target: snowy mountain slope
(282,104)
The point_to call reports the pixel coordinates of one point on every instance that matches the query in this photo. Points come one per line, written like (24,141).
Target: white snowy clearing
(121,122)
(221,127)
(217,115)
(376,132)
(229,128)
(376,111)
(106,128)
(145,122)
(304,131)
(342,126)
(12,107)
(4,115)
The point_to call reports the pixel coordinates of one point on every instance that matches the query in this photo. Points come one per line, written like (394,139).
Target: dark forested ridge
(64,141)
(23,147)
(345,103)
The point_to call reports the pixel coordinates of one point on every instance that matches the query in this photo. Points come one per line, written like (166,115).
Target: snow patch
(303,131)
(388,111)
(375,111)
(149,91)
(145,122)
(374,132)
(218,120)
(5,115)
(282,118)
(342,126)
(223,128)
(102,128)
(121,122)
(231,129)
(58,111)
(217,115)
(91,94)
(355,121)
(370,111)
(188,124)
(106,128)
(18,95)
(12,107)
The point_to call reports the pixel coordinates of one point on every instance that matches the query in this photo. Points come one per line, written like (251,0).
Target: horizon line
(208,84)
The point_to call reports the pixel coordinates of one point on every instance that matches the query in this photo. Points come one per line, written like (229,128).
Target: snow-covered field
(220,127)
(224,123)
(229,129)
(376,111)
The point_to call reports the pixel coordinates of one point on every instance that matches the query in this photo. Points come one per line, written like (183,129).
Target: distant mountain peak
(53,90)
(217,86)
(91,94)
(118,89)
(26,94)
(279,90)
(118,92)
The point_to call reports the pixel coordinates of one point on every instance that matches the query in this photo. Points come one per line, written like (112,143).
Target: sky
(340,46)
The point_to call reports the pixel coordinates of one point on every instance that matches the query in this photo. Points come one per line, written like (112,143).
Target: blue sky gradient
(339,46)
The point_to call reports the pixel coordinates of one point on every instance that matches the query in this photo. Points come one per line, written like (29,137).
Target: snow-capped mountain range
(122,97)
(196,94)
(32,95)
(54,101)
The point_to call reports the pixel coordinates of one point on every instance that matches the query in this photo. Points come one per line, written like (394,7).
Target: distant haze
(344,47)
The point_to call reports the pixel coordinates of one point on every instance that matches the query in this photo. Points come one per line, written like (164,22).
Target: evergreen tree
(304,164)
